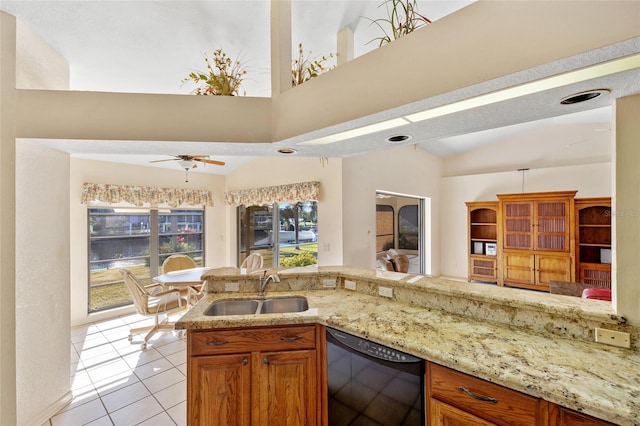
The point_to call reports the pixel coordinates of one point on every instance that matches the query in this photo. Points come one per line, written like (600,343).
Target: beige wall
(39,65)
(403,170)
(626,221)
(42,280)
(7,221)
(123,174)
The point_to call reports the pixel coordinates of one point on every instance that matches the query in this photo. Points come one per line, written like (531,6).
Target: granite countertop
(598,380)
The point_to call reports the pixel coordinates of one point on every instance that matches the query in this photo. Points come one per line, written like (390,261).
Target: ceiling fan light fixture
(587,95)
(186,164)
(398,138)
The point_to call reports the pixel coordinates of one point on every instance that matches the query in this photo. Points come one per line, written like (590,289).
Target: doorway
(401,225)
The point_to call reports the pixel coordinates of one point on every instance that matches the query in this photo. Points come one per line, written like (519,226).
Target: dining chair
(253,262)
(152,301)
(177,262)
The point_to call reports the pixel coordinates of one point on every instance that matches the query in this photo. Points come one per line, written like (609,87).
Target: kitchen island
(539,344)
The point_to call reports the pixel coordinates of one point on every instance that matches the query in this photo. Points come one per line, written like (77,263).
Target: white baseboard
(51,410)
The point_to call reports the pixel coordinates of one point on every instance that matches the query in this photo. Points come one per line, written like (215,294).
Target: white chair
(253,262)
(152,301)
(177,262)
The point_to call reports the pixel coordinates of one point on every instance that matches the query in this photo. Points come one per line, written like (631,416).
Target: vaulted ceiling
(150,46)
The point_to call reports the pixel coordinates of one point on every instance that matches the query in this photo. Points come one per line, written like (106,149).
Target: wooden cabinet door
(549,267)
(517,226)
(288,389)
(441,414)
(519,268)
(560,416)
(219,391)
(483,268)
(595,274)
(552,225)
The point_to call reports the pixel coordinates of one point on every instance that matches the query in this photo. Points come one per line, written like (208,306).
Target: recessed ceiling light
(583,96)
(287,151)
(398,138)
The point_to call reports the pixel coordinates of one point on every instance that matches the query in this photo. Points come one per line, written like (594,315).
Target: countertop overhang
(457,325)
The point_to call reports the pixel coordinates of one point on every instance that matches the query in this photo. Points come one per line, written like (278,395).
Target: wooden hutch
(527,240)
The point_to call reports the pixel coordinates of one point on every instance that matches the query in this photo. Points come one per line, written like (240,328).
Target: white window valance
(141,195)
(292,193)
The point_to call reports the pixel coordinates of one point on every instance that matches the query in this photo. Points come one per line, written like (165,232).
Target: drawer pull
(478,397)
(265,361)
(290,339)
(220,343)
(245,361)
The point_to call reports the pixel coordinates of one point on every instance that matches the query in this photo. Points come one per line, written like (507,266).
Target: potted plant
(223,76)
(402,19)
(304,68)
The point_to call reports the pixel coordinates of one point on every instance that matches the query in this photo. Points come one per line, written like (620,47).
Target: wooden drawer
(505,407)
(211,342)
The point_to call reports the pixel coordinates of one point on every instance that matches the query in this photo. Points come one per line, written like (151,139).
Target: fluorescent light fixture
(360,131)
(601,70)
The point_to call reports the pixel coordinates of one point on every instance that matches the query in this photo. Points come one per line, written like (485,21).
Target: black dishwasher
(371,384)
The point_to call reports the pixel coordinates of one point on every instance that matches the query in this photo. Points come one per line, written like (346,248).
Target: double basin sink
(275,305)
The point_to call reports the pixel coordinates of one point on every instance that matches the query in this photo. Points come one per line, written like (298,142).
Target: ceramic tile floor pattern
(114,382)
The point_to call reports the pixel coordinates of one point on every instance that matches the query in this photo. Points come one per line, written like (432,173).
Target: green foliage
(303,68)
(223,76)
(402,18)
(302,259)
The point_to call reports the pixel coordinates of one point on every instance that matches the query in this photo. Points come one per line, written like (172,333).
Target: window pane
(408,228)
(384,227)
(256,232)
(298,234)
(126,238)
(117,239)
(181,231)
(296,238)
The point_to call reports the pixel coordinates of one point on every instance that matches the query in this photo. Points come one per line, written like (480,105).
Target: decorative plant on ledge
(403,18)
(223,76)
(303,68)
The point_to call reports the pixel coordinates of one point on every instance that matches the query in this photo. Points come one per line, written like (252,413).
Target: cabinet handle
(265,361)
(290,339)
(478,397)
(245,361)
(220,343)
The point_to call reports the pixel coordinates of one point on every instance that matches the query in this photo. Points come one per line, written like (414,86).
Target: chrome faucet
(264,280)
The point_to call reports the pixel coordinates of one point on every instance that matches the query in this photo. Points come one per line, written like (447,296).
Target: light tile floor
(114,382)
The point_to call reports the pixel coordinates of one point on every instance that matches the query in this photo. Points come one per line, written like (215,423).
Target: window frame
(154,254)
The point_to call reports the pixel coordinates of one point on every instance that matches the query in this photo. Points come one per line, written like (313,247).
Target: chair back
(177,262)
(138,292)
(400,260)
(253,262)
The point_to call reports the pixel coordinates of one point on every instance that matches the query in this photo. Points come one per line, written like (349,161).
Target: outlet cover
(385,291)
(613,338)
(329,283)
(231,286)
(350,285)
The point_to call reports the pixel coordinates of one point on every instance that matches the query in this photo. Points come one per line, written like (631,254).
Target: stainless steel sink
(283,305)
(232,307)
(276,305)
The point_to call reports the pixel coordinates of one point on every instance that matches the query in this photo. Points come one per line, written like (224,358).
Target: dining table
(182,278)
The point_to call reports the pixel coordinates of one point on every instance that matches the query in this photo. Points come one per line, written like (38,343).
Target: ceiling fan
(188,162)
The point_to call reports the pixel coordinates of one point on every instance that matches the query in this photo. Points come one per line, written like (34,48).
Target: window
(138,240)
(408,227)
(285,234)
(384,228)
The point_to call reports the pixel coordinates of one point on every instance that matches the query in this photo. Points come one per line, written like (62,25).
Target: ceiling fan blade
(168,159)
(217,163)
